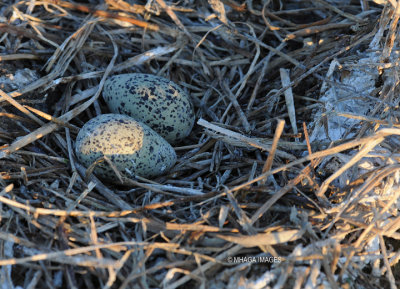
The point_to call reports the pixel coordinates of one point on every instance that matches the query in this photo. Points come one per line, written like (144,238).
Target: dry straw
(268,191)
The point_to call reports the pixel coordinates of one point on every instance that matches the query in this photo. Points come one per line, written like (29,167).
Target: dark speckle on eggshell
(153,100)
(129,144)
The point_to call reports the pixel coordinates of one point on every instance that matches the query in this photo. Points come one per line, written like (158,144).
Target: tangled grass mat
(289,179)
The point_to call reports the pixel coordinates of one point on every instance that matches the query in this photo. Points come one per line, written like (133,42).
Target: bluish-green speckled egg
(129,144)
(153,100)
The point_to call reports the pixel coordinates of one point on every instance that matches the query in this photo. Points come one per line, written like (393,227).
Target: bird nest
(289,179)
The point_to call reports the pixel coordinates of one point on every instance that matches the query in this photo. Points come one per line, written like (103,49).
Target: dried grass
(252,202)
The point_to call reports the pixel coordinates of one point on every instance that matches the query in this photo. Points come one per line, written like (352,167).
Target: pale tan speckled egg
(153,100)
(129,144)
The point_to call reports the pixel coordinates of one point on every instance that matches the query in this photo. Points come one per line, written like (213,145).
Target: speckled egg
(153,100)
(131,145)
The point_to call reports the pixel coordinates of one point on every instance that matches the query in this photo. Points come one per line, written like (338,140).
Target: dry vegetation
(260,175)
